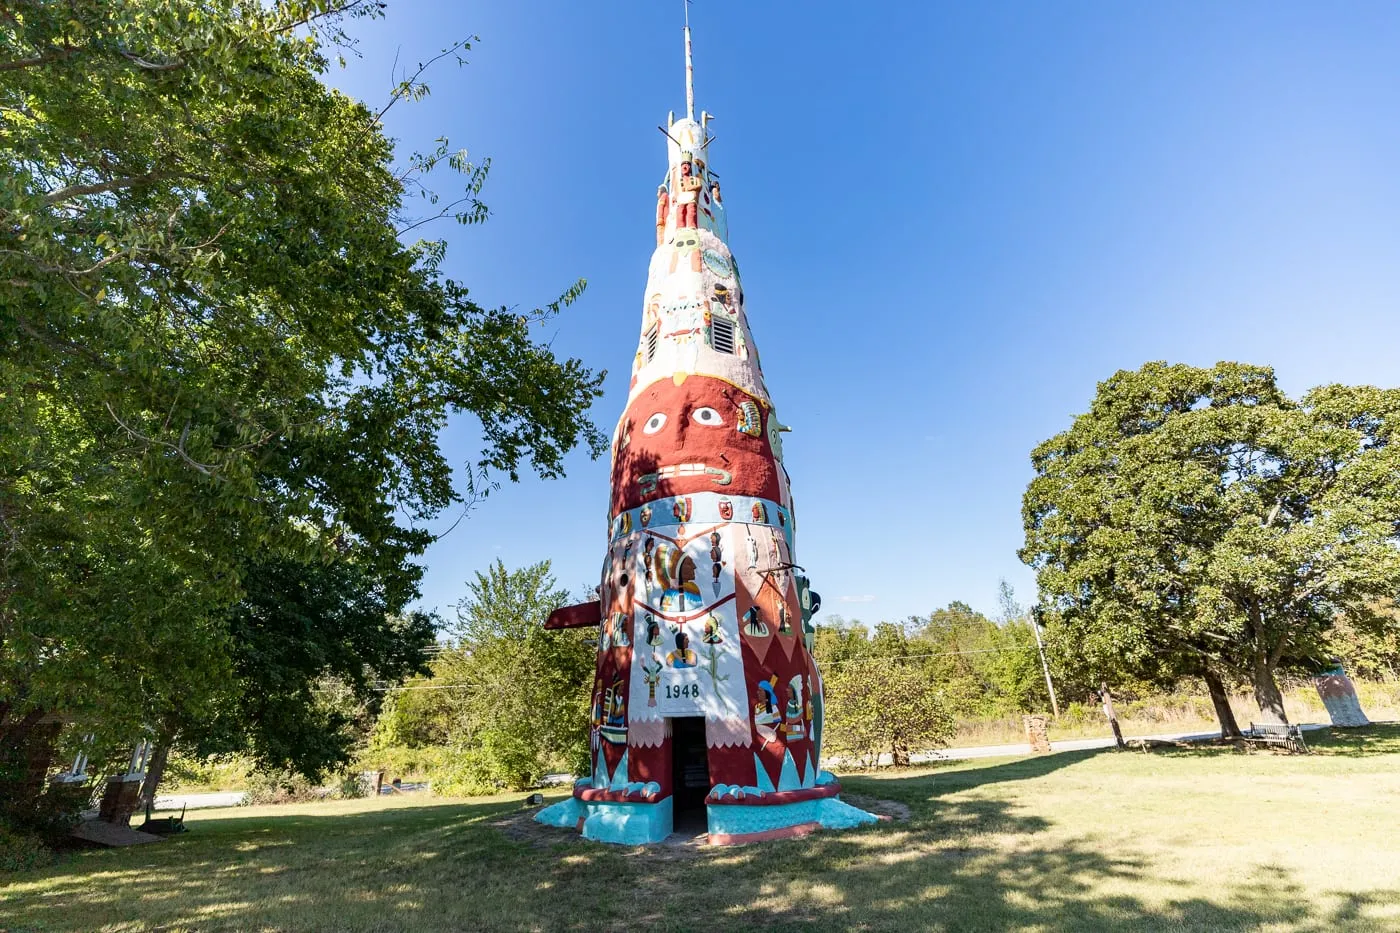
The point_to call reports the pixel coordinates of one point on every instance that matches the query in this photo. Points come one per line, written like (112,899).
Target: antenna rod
(689,69)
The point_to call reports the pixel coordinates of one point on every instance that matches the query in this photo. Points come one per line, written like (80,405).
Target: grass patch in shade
(1175,839)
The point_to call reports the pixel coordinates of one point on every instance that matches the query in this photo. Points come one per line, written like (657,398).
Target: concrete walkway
(230,798)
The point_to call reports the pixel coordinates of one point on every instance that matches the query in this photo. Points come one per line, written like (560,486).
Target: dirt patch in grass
(884,809)
(521,826)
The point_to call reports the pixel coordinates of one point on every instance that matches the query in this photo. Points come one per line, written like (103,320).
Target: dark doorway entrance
(690,773)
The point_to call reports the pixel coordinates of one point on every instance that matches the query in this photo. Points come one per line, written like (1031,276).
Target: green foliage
(222,366)
(311,640)
(22,851)
(352,786)
(209,773)
(978,667)
(281,786)
(415,762)
(983,668)
(874,707)
(513,698)
(1198,520)
(1370,648)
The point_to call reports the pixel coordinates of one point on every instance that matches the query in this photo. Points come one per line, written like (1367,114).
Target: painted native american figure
(705,614)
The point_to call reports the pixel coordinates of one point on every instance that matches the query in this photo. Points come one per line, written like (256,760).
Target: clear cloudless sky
(954,219)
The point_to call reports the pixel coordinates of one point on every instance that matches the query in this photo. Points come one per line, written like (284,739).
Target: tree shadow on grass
(960,863)
(1331,741)
(1363,742)
(954,776)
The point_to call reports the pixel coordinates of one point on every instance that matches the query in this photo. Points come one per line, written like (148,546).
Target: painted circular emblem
(718,264)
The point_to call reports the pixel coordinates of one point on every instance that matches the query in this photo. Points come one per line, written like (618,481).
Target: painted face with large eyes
(699,436)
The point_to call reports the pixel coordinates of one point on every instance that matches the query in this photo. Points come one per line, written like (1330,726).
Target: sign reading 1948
(682,691)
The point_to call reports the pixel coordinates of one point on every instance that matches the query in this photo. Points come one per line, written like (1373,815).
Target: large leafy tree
(1198,521)
(223,358)
(509,698)
(298,626)
(877,706)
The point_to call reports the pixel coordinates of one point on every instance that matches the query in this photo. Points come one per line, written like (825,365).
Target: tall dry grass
(1180,711)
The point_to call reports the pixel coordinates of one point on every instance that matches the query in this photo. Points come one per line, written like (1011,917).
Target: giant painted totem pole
(706,698)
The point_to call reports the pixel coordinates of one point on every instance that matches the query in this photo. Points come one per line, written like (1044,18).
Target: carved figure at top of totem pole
(705,615)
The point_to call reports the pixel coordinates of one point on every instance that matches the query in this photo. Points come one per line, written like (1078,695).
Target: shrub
(468,772)
(874,707)
(22,851)
(267,787)
(212,773)
(402,761)
(352,786)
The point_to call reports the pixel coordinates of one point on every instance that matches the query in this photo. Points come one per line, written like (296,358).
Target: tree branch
(152,66)
(179,448)
(35,61)
(338,10)
(114,184)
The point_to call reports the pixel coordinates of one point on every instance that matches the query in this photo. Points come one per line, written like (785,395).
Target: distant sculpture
(688,187)
(663,207)
(1338,695)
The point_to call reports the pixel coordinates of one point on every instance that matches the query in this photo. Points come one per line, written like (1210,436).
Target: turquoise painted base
(564,814)
(830,812)
(630,824)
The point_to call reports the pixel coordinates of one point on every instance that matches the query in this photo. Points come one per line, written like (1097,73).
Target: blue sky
(953,220)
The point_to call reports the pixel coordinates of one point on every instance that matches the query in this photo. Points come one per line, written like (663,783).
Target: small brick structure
(120,799)
(1037,733)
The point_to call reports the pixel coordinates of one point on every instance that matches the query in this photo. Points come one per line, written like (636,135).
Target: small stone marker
(1037,733)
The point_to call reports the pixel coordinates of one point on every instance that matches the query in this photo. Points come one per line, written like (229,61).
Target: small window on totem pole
(653,336)
(722,334)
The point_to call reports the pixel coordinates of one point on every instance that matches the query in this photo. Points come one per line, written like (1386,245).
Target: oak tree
(1199,522)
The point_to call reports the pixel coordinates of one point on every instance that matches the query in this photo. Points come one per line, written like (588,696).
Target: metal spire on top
(689,69)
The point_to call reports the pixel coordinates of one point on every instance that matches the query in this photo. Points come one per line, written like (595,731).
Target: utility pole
(1044,664)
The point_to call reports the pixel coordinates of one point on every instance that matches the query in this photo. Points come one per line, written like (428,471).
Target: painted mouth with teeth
(647,482)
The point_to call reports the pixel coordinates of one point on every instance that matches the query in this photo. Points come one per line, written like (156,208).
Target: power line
(915,657)
(425,687)
(861,660)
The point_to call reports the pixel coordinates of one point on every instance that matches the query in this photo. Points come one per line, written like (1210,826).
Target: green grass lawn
(1190,839)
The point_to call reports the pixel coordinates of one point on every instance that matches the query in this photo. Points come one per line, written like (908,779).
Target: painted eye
(655,423)
(707,416)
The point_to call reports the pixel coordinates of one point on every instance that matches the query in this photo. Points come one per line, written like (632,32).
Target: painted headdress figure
(728,715)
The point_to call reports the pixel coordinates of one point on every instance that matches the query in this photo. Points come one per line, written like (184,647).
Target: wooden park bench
(1289,737)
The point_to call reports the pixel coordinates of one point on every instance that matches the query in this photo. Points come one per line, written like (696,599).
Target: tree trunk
(1112,716)
(155,770)
(1220,699)
(1266,691)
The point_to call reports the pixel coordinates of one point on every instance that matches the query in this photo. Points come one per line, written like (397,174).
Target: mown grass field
(1178,839)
